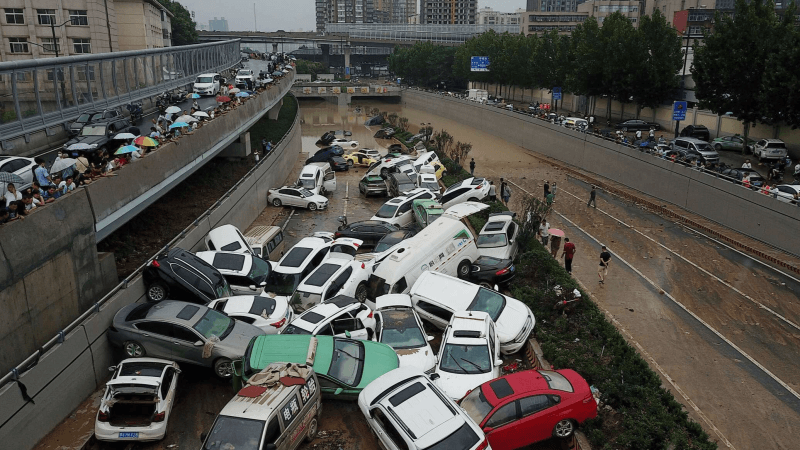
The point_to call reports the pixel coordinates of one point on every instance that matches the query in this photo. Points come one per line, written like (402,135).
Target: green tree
(780,93)
(587,51)
(621,57)
(184,29)
(659,59)
(310,68)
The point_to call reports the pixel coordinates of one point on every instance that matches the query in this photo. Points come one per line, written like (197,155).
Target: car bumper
(104,431)
(375,190)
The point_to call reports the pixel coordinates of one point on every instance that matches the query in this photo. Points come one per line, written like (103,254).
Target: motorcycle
(136,112)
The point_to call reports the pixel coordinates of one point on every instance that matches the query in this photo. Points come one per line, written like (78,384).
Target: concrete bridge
(343,93)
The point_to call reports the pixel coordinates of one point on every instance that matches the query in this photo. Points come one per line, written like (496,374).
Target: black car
(326,138)
(738,174)
(697,131)
(393,238)
(369,231)
(636,125)
(489,271)
(101,134)
(338,164)
(372,184)
(333,150)
(397,183)
(180,275)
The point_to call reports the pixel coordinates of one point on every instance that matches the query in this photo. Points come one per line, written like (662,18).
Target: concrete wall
(728,204)
(72,370)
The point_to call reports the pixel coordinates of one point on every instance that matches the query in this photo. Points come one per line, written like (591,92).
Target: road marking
(346,197)
(287,220)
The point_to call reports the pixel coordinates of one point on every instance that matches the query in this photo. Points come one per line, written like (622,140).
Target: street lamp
(683,75)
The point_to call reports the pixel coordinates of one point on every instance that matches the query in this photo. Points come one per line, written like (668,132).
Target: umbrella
(243,94)
(173,110)
(8,177)
(556,232)
(145,141)
(186,118)
(178,125)
(135,131)
(125,136)
(277,73)
(233,91)
(193,95)
(223,99)
(285,71)
(61,164)
(126,149)
(200,114)
(81,146)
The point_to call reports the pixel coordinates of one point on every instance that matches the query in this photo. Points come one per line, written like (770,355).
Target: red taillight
(103,416)
(160,416)
(502,271)
(370,315)
(337,235)
(155,263)
(483,445)
(279,323)
(363,266)
(478,186)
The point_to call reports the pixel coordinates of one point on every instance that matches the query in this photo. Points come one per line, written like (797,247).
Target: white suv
(341,316)
(769,149)
(397,211)
(338,274)
(399,326)
(207,84)
(406,411)
(471,189)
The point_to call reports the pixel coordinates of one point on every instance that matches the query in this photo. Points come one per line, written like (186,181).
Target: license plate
(511,269)
(129,435)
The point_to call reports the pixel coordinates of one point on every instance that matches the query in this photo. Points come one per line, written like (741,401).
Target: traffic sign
(479,64)
(556,93)
(679,111)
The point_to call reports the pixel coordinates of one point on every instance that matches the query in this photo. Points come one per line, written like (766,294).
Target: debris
(630,309)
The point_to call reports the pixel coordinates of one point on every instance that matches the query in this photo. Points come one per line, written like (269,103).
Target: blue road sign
(347,71)
(556,93)
(479,64)
(679,111)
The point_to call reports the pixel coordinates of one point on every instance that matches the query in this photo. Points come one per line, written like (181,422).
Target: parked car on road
(338,164)
(368,231)
(338,274)
(207,84)
(398,183)
(525,407)
(246,274)
(345,143)
(398,325)
(392,239)
(734,143)
(269,313)
(296,196)
(786,192)
(696,147)
(92,117)
(637,125)
(739,174)
(244,76)
(19,166)
(696,131)
(180,275)
(341,316)
(498,237)
(359,159)
(769,149)
(318,179)
(137,402)
(372,185)
(428,181)
(181,331)
(472,189)
(489,272)
(100,134)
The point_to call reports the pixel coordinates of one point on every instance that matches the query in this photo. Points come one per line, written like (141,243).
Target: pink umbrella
(556,232)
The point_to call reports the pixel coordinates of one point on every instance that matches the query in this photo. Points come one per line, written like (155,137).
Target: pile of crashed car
(326,318)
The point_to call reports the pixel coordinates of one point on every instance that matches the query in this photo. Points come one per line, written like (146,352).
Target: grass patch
(274,130)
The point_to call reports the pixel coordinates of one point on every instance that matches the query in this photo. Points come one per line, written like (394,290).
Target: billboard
(351,90)
(479,64)
(337,90)
(322,90)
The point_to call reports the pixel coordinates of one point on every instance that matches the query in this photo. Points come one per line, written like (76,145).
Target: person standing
(42,177)
(492,192)
(544,232)
(506,192)
(555,245)
(747,165)
(553,190)
(264,145)
(550,199)
(605,260)
(638,135)
(568,254)
(12,194)
(592,197)
(546,188)
(472,167)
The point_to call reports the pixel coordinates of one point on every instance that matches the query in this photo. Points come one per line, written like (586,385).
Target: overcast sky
(291,15)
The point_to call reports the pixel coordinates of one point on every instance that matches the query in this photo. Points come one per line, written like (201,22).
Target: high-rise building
(394,11)
(218,24)
(488,16)
(344,11)
(461,12)
(552,5)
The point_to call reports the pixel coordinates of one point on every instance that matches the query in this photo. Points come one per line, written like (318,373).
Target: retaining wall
(70,371)
(748,212)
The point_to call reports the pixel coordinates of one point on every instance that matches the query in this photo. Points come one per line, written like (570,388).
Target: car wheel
(361,292)
(223,368)
(276,202)
(473,199)
(486,284)
(463,269)
(350,163)
(312,430)
(157,291)
(564,429)
(718,148)
(312,206)
(134,349)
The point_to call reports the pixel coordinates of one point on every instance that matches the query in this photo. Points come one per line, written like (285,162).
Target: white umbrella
(233,91)
(125,136)
(81,146)
(200,114)
(173,110)
(61,164)
(186,118)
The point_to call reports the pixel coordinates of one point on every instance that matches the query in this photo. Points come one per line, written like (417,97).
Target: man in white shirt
(747,165)
(544,234)
(66,186)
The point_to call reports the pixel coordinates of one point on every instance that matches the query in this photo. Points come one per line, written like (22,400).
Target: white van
(425,158)
(266,242)
(318,178)
(446,245)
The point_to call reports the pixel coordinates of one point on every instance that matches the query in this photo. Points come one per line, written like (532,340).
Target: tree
(587,52)
(184,29)
(620,58)
(780,92)
(659,61)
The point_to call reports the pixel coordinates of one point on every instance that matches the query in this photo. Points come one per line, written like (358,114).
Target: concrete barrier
(725,203)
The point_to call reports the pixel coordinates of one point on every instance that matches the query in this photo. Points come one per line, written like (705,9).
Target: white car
(338,274)
(297,196)
(785,192)
(207,84)
(22,167)
(270,313)
(372,153)
(341,316)
(386,165)
(227,238)
(425,158)
(428,181)
(469,355)
(407,412)
(246,274)
(138,400)
(499,236)
(399,326)
(769,149)
(398,211)
(345,143)
(472,189)
(436,297)
(243,75)
(295,265)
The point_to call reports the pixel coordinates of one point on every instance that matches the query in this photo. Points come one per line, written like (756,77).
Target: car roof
(369,222)
(313,243)
(774,140)
(468,326)
(197,263)
(326,310)
(327,270)
(176,311)
(691,139)
(431,284)
(261,406)
(228,262)
(392,301)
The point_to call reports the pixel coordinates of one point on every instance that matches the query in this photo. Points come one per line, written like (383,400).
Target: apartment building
(344,11)
(538,22)
(216,24)
(488,16)
(600,9)
(453,12)
(143,24)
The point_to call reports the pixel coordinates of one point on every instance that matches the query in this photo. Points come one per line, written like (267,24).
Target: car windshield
(205,80)
(703,147)
(776,145)
(463,437)
(235,432)
(282,283)
(83,118)
(375,179)
(347,361)
(93,130)
(489,302)
(433,187)
(456,358)
(307,183)
(243,72)
(475,405)
(400,330)
(304,300)
(492,240)
(213,323)
(387,211)
(557,381)
(260,270)
(385,244)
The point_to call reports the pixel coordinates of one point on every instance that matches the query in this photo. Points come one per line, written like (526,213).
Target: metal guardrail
(445,34)
(32,360)
(36,94)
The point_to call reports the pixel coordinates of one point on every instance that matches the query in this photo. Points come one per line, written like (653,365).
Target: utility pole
(683,77)
(255,25)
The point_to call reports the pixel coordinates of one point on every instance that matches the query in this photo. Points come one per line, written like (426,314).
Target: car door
(169,384)
(156,338)
(337,284)
(403,215)
(288,197)
(539,415)
(345,323)
(433,313)
(184,348)
(499,426)
(329,181)
(511,235)
(388,435)
(291,417)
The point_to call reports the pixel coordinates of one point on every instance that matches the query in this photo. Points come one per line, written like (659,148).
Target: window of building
(78,17)
(15,16)
(19,45)
(51,73)
(81,46)
(46,16)
(51,45)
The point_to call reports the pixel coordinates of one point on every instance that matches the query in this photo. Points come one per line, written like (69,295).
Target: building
(488,16)
(344,11)
(394,11)
(552,5)
(600,9)
(413,19)
(218,24)
(143,24)
(201,27)
(538,22)
(452,12)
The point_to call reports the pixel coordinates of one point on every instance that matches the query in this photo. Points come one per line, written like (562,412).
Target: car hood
(511,320)
(203,85)
(495,252)
(237,341)
(456,385)
(317,199)
(421,358)
(87,140)
(378,359)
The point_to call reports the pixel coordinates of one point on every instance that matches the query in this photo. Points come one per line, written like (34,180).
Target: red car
(530,406)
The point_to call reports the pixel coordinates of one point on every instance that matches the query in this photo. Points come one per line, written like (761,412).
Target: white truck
(477,95)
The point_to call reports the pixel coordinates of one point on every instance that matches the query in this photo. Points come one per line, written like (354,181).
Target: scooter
(136,112)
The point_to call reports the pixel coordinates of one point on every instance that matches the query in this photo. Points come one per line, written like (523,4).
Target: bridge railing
(36,94)
(445,34)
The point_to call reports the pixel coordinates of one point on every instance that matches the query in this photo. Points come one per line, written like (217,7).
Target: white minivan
(318,178)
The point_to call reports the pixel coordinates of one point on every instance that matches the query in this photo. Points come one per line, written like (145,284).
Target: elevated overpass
(343,93)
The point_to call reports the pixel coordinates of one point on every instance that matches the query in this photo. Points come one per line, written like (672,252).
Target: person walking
(506,192)
(264,145)
(544,232)
(638,135)
(550,199)
(592,197)
(472,167)
(492,192)
(568,254)
(546,188)
(555,245)
(553,190)
(605,260)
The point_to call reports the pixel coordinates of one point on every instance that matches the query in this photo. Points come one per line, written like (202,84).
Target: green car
(734,142)
(426,211)
(344,366)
